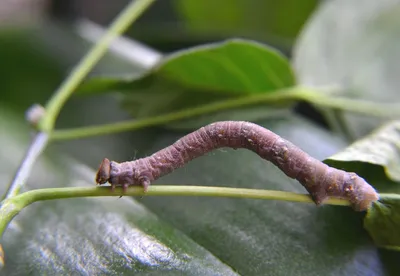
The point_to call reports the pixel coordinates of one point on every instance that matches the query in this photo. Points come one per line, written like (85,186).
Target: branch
(53,108)
(121,23)
(46,124)
(35,149)
(12,206)
(284,96)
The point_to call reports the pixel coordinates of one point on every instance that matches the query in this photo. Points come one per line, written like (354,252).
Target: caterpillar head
(363,195)
(103,174)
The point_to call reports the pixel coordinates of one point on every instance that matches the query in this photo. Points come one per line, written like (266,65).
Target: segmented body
(320,180)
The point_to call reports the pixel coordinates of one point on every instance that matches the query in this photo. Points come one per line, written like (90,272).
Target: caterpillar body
(319,179)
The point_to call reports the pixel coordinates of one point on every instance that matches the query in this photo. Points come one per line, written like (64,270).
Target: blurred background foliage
(39,44)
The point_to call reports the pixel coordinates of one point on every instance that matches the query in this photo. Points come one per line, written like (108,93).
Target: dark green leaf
(258,237)
(108,236)
(201,75)
(383,222)
(353,46)
(100,236)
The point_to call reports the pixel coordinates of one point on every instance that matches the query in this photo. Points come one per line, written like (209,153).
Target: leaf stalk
(282,97)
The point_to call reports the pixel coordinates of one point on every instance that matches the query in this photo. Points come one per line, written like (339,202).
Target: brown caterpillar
(320,180)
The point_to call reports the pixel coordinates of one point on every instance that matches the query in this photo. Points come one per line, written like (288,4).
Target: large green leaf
(352,45)
(266,237)
(101,236)
(211,235)
(204,74)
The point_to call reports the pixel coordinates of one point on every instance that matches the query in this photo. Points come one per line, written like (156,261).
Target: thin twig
(12,206)
(285,96)
(122,22)
(38,144)
(55,104)
(46,125)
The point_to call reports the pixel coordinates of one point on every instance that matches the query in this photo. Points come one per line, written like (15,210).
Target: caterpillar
(320,180)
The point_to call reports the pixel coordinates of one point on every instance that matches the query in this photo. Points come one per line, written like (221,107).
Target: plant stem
(53,108)
(374,109)
(285,96)
(156,120)
(66,89)
(121,23)
(35,149)
(12,206)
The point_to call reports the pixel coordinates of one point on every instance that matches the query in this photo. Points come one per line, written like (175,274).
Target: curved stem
(82,132)
(285,96)
(122,22)
(12,206)
(53,108)
(388,110)
(35,149)
(55,104)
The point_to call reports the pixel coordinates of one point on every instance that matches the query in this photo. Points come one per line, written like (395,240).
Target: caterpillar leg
(124,189)
(145,182)
(318,200)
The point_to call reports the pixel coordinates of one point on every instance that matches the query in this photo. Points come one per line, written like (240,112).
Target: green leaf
(231,66)
(255,236)
(98,236)
(201,75)
(383,222)
(352,45)
(185,236)
(376,156)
